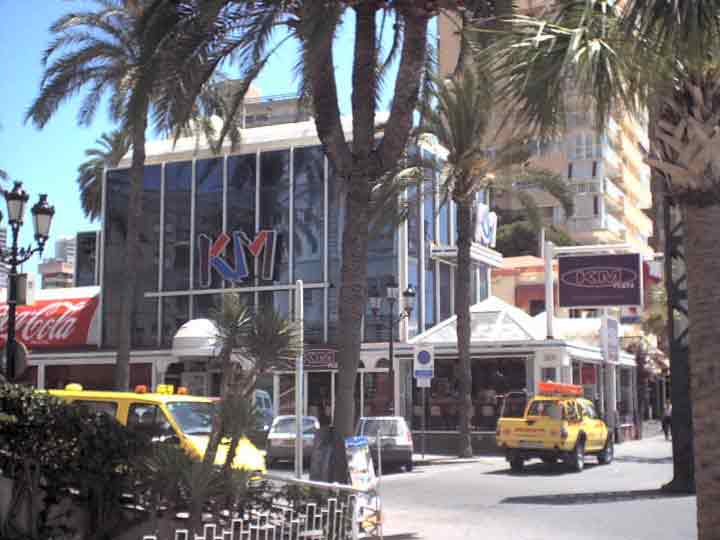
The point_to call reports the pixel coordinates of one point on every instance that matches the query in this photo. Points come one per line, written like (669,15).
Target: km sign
(213,256)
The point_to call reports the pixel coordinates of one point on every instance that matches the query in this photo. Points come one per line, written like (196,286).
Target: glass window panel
(144,323)
(242,182)
(309,173)
(413,223)
(278,300)
(204,305)
(430,311)
(86,259)
(118,188)
(175,313)
(208,216)
(482,285)
(445,293)
(313,315)
(178,191)
(275,206)
(429,207)
(444,219)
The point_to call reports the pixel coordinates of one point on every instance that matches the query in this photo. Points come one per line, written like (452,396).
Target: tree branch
(407,89)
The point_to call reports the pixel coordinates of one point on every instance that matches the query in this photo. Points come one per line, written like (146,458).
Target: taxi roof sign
(560,389)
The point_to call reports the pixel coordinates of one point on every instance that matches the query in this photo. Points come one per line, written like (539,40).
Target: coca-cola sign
(51,323)
(600,281)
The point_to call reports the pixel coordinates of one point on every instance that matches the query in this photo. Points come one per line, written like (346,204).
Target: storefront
(509,352)
(252,222)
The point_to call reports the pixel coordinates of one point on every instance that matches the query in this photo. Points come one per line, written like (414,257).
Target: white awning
(198,337)
(479,254)
(491,320)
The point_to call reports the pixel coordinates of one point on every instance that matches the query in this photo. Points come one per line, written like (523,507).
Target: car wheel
(517,464)
(577,460)
(608,453)
(409,465)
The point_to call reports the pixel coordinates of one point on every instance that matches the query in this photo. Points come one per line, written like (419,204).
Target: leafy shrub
(53,451)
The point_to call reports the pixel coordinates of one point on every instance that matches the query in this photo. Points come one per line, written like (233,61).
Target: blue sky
(46,160)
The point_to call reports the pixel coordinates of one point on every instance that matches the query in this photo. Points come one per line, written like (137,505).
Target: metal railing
(343,516)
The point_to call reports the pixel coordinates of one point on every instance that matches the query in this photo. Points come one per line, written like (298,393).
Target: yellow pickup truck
(557,424)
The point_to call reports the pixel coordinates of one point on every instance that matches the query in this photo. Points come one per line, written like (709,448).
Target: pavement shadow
(539,469)
(646,460)
(566,499)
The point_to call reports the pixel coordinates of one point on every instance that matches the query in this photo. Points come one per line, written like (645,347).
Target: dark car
(395,439)
(281,439)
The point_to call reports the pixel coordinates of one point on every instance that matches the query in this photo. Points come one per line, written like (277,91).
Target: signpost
(423,371)
(299,377)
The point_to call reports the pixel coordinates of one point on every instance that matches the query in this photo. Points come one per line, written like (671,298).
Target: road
(481,499)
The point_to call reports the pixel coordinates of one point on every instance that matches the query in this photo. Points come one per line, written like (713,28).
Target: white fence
(341,517)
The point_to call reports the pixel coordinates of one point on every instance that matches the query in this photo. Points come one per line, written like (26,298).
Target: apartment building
(606,171)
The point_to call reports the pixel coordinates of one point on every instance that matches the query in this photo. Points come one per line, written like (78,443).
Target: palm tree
(111,149)
(662,56)
(249,345)
(112,51)
(461,121)
(240,32)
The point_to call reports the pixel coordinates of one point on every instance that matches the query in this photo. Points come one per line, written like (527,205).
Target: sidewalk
(444,459)
(652,429)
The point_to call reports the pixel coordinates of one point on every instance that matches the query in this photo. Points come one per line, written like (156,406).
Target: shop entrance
(319,395)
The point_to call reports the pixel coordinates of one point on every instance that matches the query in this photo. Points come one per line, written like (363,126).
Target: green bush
(54,451)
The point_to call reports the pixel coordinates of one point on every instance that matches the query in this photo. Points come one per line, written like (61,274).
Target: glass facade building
(290,201)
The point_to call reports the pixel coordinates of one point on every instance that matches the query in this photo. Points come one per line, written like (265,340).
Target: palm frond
(581,54)
(111,148)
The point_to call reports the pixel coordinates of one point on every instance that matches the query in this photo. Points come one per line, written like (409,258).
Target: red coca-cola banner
(52,324)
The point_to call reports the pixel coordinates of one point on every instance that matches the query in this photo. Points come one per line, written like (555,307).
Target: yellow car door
(595,427)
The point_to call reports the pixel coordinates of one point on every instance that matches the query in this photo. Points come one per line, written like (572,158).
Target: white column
(549,293)
(299,381)
(332,396)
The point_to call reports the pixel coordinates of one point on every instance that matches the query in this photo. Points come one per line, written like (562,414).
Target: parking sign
(424,362)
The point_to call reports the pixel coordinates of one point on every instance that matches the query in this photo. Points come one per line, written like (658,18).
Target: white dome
(198,337)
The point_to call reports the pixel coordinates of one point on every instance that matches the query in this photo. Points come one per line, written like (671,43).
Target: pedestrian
(667,420)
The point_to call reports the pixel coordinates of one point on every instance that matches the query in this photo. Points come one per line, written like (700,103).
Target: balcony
(580,225)
(615,226)
(614,197)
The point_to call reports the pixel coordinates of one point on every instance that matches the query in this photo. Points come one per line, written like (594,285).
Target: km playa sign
(600,281)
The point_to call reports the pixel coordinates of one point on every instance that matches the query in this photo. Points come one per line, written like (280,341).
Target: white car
(281,439)
(395,439)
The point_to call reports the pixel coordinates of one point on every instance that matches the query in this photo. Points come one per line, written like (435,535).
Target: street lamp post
(392,295)
(42,213)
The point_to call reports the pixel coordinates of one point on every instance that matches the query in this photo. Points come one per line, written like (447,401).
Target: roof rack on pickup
(559,389)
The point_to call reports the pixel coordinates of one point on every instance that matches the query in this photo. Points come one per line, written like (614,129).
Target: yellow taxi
(168,416)
(557,424)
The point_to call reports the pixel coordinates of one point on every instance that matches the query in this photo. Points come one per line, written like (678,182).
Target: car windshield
(387,428)
(194,418)
(553,409)
(287,425)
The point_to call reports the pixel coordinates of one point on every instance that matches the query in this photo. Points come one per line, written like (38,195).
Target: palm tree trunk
(462,312)
(682,427)
(217,427)
(132,248)
(353,296)
(666,222)
(703,258)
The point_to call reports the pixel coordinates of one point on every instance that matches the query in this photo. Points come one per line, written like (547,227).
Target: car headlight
(266,428)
